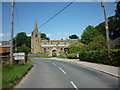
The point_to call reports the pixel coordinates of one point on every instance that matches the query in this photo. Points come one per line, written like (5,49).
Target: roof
(4,43)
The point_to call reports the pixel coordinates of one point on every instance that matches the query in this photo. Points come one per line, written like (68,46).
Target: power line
(56,14)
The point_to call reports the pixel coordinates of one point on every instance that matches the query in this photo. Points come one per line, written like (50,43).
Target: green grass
(12,75)
(39,57)
(61,57)
(0,75)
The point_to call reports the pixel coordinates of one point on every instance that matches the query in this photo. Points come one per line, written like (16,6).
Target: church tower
(35,39)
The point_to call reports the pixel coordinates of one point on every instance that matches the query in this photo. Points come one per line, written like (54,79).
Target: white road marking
(74,85)
(62,70)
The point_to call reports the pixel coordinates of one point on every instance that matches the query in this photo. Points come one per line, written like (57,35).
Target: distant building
(4,48)
(53,47)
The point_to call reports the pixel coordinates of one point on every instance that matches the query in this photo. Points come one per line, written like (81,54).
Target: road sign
(19,56)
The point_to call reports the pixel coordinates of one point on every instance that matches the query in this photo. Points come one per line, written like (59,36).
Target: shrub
(102,57)
(71,56)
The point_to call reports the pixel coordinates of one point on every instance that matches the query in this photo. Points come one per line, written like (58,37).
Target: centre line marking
(74,85)
(62,70)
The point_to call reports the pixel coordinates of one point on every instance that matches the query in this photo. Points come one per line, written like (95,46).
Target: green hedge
(71,56)
(102,57)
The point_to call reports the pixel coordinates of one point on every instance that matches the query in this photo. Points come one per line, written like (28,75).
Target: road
(48,73)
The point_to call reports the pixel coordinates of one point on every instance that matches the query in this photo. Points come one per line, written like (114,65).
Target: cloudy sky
(73,20)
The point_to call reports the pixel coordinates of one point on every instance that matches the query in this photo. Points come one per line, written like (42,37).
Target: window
(36,36)
(61,49)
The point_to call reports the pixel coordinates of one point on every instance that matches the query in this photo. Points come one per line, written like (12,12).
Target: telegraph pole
(106,27)
(12,29)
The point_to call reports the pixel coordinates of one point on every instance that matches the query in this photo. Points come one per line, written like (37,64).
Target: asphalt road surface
(48,73)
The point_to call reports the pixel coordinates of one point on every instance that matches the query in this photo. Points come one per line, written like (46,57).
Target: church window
(44,49)
(36,35)
(61,49)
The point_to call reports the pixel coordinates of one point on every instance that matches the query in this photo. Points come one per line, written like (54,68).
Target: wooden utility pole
(12,30)
(106,27)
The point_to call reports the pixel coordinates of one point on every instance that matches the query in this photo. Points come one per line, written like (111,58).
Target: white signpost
(19,56)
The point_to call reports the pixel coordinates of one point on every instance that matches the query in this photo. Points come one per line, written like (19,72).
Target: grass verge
(39,57)
(62,57)
(12,75)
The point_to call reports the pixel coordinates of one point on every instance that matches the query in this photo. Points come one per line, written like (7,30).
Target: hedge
(102,57)
(71,56)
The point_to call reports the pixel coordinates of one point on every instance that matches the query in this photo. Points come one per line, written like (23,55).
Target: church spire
(35,26)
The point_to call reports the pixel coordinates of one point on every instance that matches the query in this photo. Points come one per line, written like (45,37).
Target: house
(115,44)
(4,48)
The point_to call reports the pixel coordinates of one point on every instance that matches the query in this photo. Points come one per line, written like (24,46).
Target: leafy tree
(75,48)
(114,27)
(23,48)
(73,36)
(117,14)
(44,37)
(98,43)
(28,44)
(89,34)
(20,39)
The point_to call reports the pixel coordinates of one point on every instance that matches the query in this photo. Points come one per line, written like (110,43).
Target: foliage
(73,36)
(23,48)
(117,10)
(114,27)
(100,56)
(61,57)
(20,39)
(76,47)
(22,43)
(40,57)
(98,43)
(12,75)
(88,35)
(44,37)
(71,56)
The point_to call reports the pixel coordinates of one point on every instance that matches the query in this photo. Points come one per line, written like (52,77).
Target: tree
(75,48)
(117,14)
(89,34)
(23,48)
(99,43)
(44,37)
(73,36)
(20,39)
(114,27)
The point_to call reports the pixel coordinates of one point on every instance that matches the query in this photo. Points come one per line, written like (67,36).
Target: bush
(101,57)
(71,56)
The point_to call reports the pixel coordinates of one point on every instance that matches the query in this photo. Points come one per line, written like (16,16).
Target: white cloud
(63,34)
(29,35)
(4,35)
(48,35)
(66,34)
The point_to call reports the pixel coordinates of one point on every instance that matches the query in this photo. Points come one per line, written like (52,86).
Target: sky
(73,20)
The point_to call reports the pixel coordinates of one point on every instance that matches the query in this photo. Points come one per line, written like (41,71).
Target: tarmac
(111,70)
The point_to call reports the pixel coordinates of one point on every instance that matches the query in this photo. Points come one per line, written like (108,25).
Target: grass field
(12,75)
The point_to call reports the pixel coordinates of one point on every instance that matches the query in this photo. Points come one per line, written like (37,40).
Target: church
(53,47)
